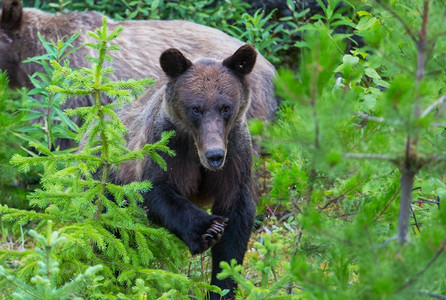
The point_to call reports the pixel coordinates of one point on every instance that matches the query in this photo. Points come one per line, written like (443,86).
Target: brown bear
(206,104)
(141,44)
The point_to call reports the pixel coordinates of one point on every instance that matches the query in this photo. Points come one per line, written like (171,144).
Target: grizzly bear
(141,44)
(206,104)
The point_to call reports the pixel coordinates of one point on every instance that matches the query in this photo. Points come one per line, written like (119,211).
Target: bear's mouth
(213,159)
(211,146)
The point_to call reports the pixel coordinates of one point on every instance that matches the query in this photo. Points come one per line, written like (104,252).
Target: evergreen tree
(44,282)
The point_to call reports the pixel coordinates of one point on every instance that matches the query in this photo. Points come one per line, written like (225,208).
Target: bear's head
(207,99)
(10,22)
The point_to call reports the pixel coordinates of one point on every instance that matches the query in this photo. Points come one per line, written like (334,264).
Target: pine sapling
(102,222)
(43,284)
(44,108)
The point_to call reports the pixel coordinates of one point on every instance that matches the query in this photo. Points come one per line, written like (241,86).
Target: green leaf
(371,73)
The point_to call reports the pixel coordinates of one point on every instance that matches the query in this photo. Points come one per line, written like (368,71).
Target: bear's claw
(214,233)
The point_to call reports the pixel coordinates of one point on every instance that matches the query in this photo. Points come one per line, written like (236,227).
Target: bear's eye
(225,109)
(196,110)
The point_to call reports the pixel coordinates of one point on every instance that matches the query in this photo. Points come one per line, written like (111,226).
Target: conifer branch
(394,62)
(437,103)
(422,42)
(392,198)
(44,281)
(400,19)
(370,118)
(425,268)
(370,156)
(432,295)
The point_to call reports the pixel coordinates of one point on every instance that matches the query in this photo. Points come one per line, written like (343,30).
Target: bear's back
(141,44)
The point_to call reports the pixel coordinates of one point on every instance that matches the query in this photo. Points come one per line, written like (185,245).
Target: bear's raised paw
(207,233)
(214,233)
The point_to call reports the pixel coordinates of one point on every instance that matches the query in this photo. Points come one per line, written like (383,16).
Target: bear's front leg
(196,228)
(234,242)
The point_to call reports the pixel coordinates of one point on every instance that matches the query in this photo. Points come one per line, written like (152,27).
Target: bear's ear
(11,14)
(242,61)
(174,63)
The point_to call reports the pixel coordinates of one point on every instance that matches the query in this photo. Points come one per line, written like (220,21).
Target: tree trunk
(407,180)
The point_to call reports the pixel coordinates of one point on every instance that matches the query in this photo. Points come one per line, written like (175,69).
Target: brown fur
(205,102)
(142,117)
(141,44)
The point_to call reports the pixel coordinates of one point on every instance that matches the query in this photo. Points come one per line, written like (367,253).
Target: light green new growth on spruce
(43,284)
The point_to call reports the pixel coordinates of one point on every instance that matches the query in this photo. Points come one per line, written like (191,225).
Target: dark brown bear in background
(205,103)
(141,44)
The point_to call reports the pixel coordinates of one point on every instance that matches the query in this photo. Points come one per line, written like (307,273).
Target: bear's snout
(215,157)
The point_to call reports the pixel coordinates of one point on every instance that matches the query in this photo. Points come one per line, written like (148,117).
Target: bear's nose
(215,157)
